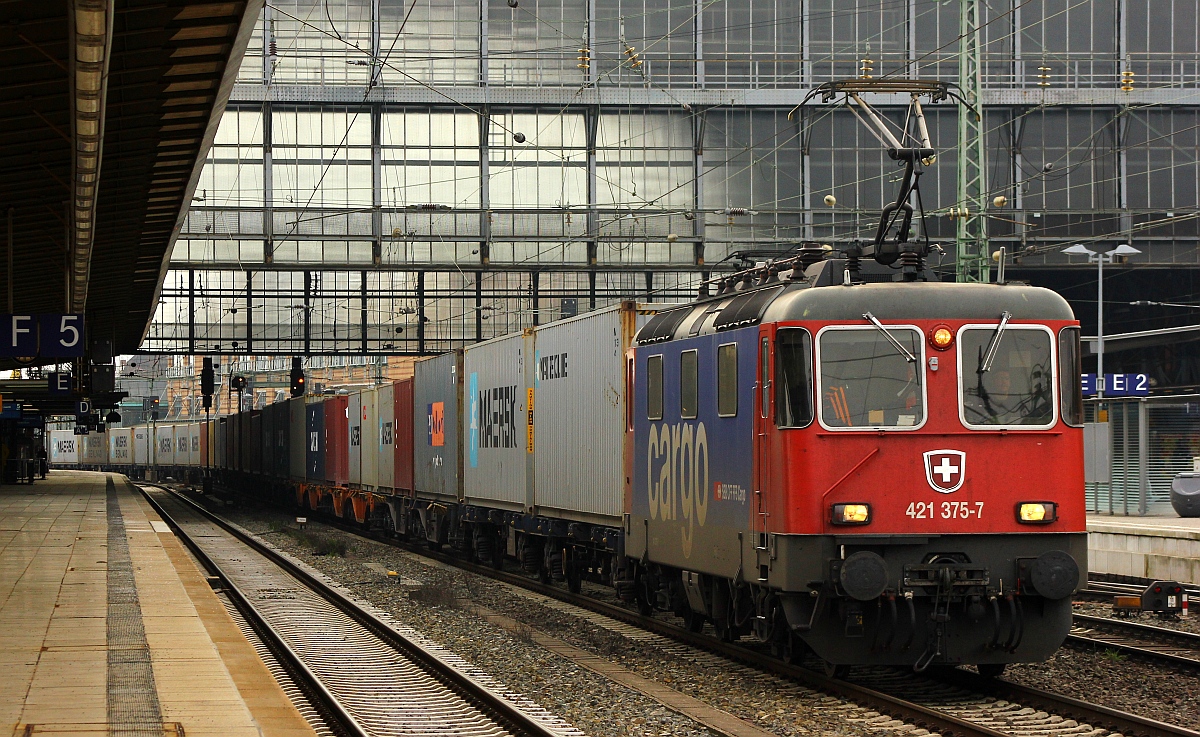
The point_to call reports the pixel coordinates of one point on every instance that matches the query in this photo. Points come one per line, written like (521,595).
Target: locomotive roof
(888,301)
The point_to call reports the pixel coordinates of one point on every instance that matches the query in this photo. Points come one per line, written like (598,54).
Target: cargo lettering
(553,367)
(677,476)
(385,433)
(436,417)
(355,436)
(498,417)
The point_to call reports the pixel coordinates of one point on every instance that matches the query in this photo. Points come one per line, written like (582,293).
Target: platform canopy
(107,110)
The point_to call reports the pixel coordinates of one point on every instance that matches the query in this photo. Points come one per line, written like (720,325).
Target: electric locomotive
(905,486)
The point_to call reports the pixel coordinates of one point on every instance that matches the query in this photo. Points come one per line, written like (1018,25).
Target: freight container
(354,440)
(143,446)
(268,439)
(193,442)
(120,446)
(385,454)
(370,440)
(402,423)
(164,446)
(222,443)
(95,449)
(437,426)
(206,443)
(254,463)
(496,467)
(578,426)
(297,438)
(337,440)
(314,455)
(282,439)
(183,445)
(64,448)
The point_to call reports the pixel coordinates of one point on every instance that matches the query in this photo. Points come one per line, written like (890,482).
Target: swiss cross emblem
(945,470)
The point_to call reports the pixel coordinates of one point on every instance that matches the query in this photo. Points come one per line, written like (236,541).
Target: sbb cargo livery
(876,472)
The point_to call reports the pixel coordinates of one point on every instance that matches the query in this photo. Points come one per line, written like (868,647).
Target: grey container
(437,426)
(579,413)
(496,463)
(297,438)
(1185,494)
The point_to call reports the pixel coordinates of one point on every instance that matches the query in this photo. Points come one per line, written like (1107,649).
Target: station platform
(1164,547)
(107,625)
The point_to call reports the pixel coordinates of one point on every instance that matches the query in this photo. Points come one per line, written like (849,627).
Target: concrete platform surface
(107,626)
(1165,547)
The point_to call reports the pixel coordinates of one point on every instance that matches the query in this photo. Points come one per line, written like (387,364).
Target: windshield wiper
(989,355)
(891,339)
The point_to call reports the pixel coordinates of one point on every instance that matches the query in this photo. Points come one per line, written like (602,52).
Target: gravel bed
(430,598)
(1118,682)
(1098,609)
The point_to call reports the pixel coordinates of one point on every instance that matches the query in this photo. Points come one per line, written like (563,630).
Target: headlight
(1037,513)
(851,514)
(941,337)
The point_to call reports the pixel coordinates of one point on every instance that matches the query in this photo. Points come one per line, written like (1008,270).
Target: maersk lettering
(498,417)
(553,367)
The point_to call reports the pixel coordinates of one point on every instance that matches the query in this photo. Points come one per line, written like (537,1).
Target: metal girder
(971,252)
(573,97)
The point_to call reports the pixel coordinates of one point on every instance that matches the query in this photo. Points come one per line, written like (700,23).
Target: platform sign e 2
(1118,385)
(49,335)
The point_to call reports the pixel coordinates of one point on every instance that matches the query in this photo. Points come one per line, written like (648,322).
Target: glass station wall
(400,176)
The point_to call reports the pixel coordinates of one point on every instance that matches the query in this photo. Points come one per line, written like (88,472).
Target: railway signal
(297,377)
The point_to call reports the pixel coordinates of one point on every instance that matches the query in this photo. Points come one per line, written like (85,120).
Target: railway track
(950,701)
(1156,643)
(368,675)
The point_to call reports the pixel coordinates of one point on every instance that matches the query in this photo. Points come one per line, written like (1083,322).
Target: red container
(403,422)
(337,441)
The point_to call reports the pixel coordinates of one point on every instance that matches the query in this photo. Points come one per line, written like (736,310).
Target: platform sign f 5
(945,470)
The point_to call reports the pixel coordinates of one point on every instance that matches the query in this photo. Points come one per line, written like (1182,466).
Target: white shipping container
(579,413)
(354,418)
(120,446)
(385,457)
(64,448)
(194,431)
(164,446)
(95,449)
(494,422)
(370,440)
(183,445)
(143,447)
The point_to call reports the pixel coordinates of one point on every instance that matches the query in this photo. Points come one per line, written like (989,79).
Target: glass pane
(793,378)
(1070,371)
(688,400)
(1017,389)
(764,374)
(727,396)
(867,383)
(654,388)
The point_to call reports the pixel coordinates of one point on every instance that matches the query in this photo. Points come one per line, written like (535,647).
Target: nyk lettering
(498,417)
(553,367)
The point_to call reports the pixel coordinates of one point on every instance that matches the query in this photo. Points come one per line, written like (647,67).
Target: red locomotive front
(914,467)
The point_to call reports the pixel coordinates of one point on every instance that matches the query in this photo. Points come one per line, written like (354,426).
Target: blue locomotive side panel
(693,460)
(314,466)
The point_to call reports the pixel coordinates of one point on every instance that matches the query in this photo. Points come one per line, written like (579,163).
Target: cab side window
(727,389)
(793,378)
(654,388)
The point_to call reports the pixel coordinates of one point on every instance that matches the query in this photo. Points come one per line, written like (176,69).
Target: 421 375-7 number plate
(945,510)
